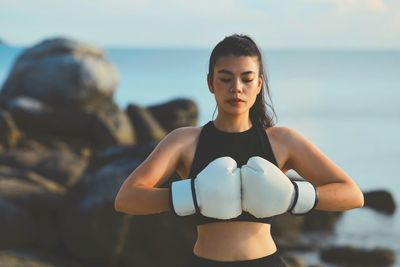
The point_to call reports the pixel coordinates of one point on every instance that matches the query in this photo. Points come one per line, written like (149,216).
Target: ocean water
(345,102)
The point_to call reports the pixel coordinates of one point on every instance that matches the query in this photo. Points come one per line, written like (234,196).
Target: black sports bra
(214,143)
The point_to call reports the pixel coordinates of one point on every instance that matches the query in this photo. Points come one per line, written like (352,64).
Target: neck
(233,123)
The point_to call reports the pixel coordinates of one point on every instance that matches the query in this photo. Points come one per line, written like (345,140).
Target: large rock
(96,234)
(21,228)
(9,133)
(34,258)
(358,256)
(111,127)
(115,154)
(149,129)
(15,226)
(318,220)
(66,148)
(380,200)
(63,168)
(64,87)
(30,190)
(28,208)
(175,113)
(91,229)
(62,72)
(79,128)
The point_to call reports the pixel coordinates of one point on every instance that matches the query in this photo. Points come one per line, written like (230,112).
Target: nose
(237,86)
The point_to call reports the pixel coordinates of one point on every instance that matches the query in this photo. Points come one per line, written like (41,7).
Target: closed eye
(228,80)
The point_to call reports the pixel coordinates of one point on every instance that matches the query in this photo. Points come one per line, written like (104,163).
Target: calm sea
(345,102)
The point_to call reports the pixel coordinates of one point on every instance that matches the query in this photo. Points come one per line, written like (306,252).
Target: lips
(236,100)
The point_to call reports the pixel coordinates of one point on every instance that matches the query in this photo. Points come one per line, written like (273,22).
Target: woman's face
(236,83)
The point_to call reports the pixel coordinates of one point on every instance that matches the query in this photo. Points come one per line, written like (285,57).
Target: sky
(302,24)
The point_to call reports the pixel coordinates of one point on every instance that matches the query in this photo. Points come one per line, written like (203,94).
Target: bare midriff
(234,241)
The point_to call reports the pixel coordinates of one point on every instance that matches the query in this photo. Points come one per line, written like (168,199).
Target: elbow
(125,203)
(359,198)
(117,204)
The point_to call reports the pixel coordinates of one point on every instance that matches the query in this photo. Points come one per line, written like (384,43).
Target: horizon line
(203,48)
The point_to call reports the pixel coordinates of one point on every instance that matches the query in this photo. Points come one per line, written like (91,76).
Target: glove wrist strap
(306,198)
(181,198)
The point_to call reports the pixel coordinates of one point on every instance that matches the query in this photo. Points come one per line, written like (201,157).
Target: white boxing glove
(267,191)
(215,192)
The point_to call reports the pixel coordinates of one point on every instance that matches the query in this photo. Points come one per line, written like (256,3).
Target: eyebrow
(229,72)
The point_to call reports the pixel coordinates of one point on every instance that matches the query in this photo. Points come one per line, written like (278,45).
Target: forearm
(339,197)
(143,201)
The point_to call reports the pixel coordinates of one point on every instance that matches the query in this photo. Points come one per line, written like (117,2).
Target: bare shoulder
(165,158)
(279,137)
(289,147)
(280,133)
(308,160)
(288,139)
(189,137)
(187,132)
(285,135)
(291,137)
(180,136)
(184,136)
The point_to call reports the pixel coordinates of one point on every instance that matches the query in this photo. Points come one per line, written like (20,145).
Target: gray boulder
(34,258)
(90,227)
(62,72)
(318,220)
(30,190)
(61,167)
(358,256)
(9,133)
(381,201)
(79,128)
(148,128)
(175,113)
(15,225)
(96,234)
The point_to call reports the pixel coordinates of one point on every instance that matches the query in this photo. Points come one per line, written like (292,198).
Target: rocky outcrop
(381,201)
(175,113)
(65,149)
(63,73)
(33,258)
(358,256)
(149,127)
(9,133)
(94,233)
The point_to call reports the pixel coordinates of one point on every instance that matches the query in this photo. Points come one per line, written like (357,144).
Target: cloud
(377,5)
(353,5)
(274,23)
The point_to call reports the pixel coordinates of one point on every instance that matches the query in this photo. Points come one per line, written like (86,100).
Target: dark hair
(243,45)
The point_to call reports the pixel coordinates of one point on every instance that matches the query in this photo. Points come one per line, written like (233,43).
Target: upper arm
(310,162)
(161,163)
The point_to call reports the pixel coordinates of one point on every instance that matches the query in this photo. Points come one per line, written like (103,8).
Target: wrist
(305,198)
(182,197)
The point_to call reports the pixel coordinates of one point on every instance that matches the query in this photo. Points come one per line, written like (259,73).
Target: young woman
(233,169)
